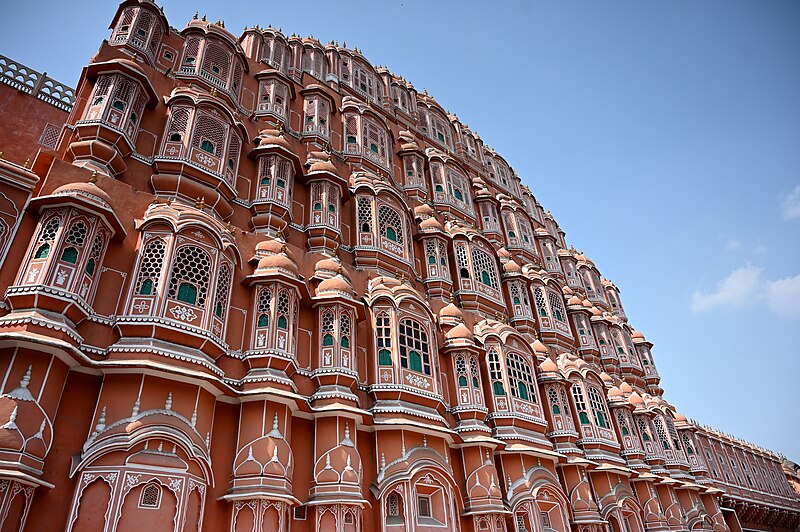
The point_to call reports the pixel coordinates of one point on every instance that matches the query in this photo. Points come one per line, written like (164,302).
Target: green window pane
(459,196)
(119,105)
(280,183)
(624,430)
(584,417)
(207,146)
(42,252)
(90,265)
(318,206)
(263,320)
(485,278)
(431,259)
(523,390)
(187,293)
(391,234)
(327,340)
(556,409)
(475,382)
(384,357)
(462,380)
(345,342)
(147,287)
(282,323)
(497,387)
(70,255)
(415,361)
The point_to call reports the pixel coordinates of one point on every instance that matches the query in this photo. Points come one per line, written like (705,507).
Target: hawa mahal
(256,283)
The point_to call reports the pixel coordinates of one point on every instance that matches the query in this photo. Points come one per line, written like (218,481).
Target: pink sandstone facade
(259,284)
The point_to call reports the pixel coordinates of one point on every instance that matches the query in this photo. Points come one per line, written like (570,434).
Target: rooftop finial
(195,16)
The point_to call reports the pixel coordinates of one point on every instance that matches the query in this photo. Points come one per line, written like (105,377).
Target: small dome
(625,387)
(270,245)
(278,261)
(503,253)
(451,311)
(273,137)
(679,417)
(587,303)
(574,301)
(431,224)
(337,283)
(459,332)
(636,399)
(636,335)
(323,166)
(614,392)
(424,210)
(605,377)
(538,347)
(548,366)
(596,311)
(512,267)
(84,189)
(567,291)
(328,264)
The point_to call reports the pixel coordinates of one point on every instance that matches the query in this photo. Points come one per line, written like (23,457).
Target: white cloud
(790,205)
(733,245)
(745,287)
(736,290)
(783,297)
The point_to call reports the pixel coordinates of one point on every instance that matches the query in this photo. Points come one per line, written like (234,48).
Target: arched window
(365,214)
(191,269)
(383,335)
(661,431)
(644,429)
(282,309)
(394,509)
(150,268)
(495,373)
(485,268)
(264,307)
(580,404)
(74,240)
(344,330)
(552,396)
(520,377)
(47,237)
(275,180)
(390,227)
(622,421)
(413,342)
(327,328)
(150,496)
(598,407)
(273,97)
(222,290)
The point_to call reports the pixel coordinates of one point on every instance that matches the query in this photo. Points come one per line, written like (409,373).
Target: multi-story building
(257,283)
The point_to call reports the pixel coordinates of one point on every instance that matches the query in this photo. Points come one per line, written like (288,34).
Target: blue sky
(663,136)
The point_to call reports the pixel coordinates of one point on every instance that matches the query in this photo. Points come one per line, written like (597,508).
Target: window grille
(564,404)
(365,214)
(390,226)
(580,403)
(673,433)
(644,430)
(143,24)
(495,373)
(661,432)
(283,308)
(211,130)
(221,293)
(393,505)
(150,496)
(327,328)
(485,267)
(598,407)
(264,307)
(124,25)
(76,235)
(155,40)
(474,372)
(552,396)
(458,189)
(232,161)
(413,342)
(216,61)
(557,307)
(374,140)
(49,136)
(344,329)
(424,506)
(94,253)
(191,266)
(461,260)
(383,335)
(461,369)
(520,378)
(541,305)
(622,421)
(437,176)
(179,119)
(150,268)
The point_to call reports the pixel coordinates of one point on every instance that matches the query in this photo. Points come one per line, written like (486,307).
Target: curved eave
(116,66)
(108,216)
